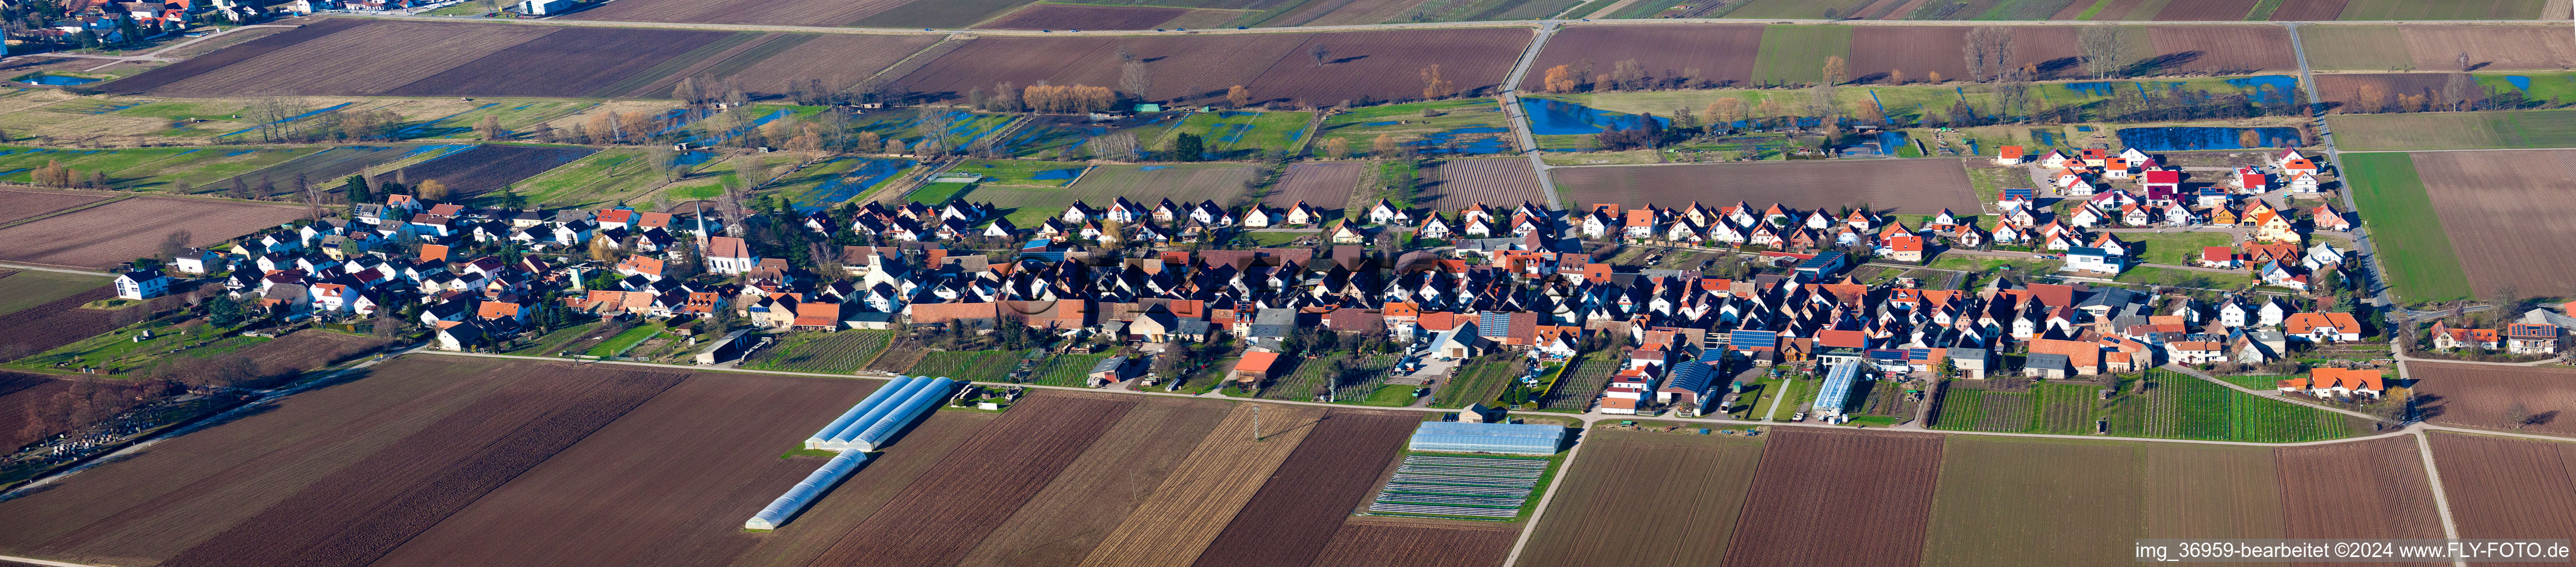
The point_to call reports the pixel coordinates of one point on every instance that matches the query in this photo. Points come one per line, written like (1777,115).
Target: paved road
(1519,120)
(2377,276)
(18,266)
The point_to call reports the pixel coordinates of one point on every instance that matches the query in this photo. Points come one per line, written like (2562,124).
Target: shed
(1256,366)
(1507,438)
(723,349)
(2046,365)
(1109,370)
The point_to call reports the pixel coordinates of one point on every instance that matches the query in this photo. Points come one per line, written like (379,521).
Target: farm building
(1509,438)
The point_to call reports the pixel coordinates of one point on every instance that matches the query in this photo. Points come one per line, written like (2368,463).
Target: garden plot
(1458,485)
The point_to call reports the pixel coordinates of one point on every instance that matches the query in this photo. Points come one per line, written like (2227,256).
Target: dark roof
(2049,361)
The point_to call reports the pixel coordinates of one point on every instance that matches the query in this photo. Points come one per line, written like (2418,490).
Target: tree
(1116,146)
(1238,96)
(1896,76)
(2102,47)
(1384,146)
(1319,53)
(1188,147)
(2517,416)
(356,190)
(1932,77)
(1337,148)
(1726,111)
(1561,79)
(489,128)
(1433,86)
(177,242)
(2458,89)
(1835,71)
(1133,77)
(1988,51)
(240,190)
(1627,74)
(223,312)
(431,190)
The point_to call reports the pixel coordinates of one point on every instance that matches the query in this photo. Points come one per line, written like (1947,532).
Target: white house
(2091,259)
(729,255)
(141,284)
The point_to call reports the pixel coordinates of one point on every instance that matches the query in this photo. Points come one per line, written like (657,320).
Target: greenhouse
(1507,438)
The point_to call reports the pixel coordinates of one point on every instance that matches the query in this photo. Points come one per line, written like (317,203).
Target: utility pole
(1256,422)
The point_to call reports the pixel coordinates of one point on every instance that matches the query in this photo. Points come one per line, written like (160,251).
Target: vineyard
(1066,369)
(979,366)
(841,352)
(2167,406)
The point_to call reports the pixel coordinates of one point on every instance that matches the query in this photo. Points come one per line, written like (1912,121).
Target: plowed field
(291,355)
(1795,517)
(1368,542)
(438,59)
(2091,499)
(2490,48)
(2308,10)
(942,516)
(2383,492)
(226,57)
(601,60)
(860,496)
(1501,183)
(57,323)
(19,391)
(835,59)
(2205,10)
(1378,65)
(795,12)
(2508,488)
(488,167)
(1720,55)
(2494,204)
(1063,16)
(102,236)
(18,204)
(1072,514)
(2224,50)
(1200,497)
(1324,185)
(2480,395)
(322,65)
(1630,486)
(1928,186)
(1290,520)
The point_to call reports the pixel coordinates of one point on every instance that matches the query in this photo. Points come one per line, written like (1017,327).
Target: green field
(1473,383)
(1795,54)
(2354,48)
(618,345)
(514,113)
(1147,184)
(1896,101)
(945,14)
(2175,407)
(937,193)
(2185,278)
(2414,252)
(117,352)
(2486,130)
(608,176)
(170,169)
(1360,127)
(1472,10)
(979,366)
(840,352)
(2443,10)
(1021,172)
(834,181)
(2543,85)
(1236,134)
(1796,9)
(30,288)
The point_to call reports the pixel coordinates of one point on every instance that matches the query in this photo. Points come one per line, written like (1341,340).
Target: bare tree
(1117,146)
(2102,47)
(2457,88)
(1319,53)
(177,242)
(1133,77)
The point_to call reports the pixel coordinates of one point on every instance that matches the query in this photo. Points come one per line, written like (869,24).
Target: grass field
(2448,10)
(2416,254)
(606,177)
(31,288)
(1405,123)
(1795,9)
(2534,85)
(149,169)
(1913,100)
(1148,184)
(833,181)
(119,353)
(839,352)
(1474,383)
(2176,407)
(1020,172)
(1795,54)
(515,114)
(1065,369)
(618,345)
(2500,129)
(936,193)
(1239,134)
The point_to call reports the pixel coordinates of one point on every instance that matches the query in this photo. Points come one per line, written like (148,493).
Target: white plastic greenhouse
(795,500)
(1506,438)
(865,427)
(874,401)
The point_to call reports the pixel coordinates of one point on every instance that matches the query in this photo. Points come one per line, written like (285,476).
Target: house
(2532,338)
(1905,247)
(729,255)
(142,284)
(2446,337)
(2323,327)
(200,261)
(461,335)
(2220,257)
(2336,382)
(2326,218)
(2196,352)
(2045,365)
(2092,259)
(2009,155)
(2054,160)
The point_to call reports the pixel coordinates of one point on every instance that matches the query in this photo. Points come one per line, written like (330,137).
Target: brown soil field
(1071,17)
(43,327)
(1343,13)
(1072,514)
(2380,491)
(1323,185)
(17,205)
(18,391)
(687,466)
(1634,486)
(2308,10)
(2508,488)
(186,489)
(210,62)
(835,59)
(794,12)
(941,517)
(1794,518)
(1366,542)
(1497,182)
(605,56)
(1379,65)
(291,355)
(323,65)
(100,237)
(2223,50)
(1291,519)
(1723,54)
(1928,186)
(2490,48)
(364,510)
(860,496)
(2205,10)
(2479,395)
(1203,494)
(488,167)
(2342,87)
(2208,491)
(2495,204)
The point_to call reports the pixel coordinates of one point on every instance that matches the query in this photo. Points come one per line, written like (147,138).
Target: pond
(1479,140)
(847,186)
(1555,117)
(2178,138)
(56,80)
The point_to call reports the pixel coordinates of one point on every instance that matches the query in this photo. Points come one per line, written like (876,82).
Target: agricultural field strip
(1492,487)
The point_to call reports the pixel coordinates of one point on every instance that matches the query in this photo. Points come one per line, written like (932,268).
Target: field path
(1520,120)
(2325,136)
(2441,501)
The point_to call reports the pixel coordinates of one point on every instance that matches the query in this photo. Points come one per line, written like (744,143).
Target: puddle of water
(56,80)
(1480,140)
(1058,174)
(2264,87)
(2519,82)
(1555,117)
(1153,167)
(843,187)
